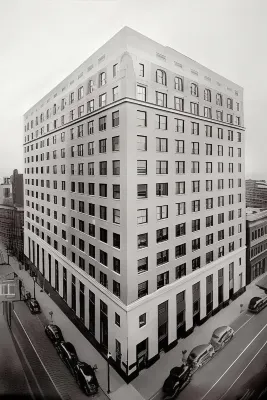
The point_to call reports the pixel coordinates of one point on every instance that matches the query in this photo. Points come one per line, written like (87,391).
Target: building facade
(256,241)
(256,193)
(135,195)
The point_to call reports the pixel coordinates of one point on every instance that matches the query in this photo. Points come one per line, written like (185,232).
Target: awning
(262,284)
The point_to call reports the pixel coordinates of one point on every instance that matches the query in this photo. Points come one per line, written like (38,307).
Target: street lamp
(109,355)
(34,282)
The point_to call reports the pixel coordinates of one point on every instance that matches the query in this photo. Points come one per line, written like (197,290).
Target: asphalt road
(12,376)
(233,369)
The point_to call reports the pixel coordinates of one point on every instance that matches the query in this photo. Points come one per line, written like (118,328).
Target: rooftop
(257,215)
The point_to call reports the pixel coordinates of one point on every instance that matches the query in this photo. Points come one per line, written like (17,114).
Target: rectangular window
(161,122)
(161,99)
(179,125)
(141,118)
(141,93)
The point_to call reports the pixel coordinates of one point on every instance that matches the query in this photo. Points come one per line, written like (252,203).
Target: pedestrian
(241,308)
(184,357)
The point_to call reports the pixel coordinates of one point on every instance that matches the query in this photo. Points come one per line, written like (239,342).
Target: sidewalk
(151,380)
(85,350)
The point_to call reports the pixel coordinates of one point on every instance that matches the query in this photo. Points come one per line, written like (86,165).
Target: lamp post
(34,282)
(109,355)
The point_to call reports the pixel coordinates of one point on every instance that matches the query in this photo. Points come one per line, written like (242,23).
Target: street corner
(126,392)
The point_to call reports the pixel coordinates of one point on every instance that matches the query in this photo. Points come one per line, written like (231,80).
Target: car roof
(53,327)
(220,330)
(200,349)
(69,346)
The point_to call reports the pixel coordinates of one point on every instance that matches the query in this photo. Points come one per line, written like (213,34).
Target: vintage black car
(54,333)
(86,378)
(68,355)
(34,306)
(177,380)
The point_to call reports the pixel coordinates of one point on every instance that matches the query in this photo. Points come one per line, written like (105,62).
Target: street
(12,377)
(227,374)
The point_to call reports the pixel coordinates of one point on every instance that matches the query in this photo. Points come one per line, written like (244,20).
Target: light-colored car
(200,355)
(221,336)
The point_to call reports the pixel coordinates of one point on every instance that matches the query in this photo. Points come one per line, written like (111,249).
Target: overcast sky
(42,41)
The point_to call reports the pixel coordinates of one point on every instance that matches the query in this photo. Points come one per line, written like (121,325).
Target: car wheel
(86,390)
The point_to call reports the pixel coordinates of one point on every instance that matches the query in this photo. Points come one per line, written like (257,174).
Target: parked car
(54,333)
(200,356)
(177,380)
(34,306)
(221,336)
(256,304)
(68,355)
(86,378)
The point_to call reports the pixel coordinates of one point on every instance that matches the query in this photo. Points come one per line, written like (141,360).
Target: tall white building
(135,195)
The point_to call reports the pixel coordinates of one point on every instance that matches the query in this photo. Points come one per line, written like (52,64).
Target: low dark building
(256,240)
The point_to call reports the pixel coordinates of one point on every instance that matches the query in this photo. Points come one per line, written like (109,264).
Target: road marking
(37,354)
(243,371)
(225,372)
(244,323)
(154,395)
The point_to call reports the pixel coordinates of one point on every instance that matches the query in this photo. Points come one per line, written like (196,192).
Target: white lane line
(243,371)
(225,372)
(37,354)
(244,323)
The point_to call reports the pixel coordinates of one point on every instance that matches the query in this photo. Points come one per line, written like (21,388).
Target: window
(221,201)
(219,115)
(220,150)
(161,144)
(180,271)
(142,216)
(195,167)
(221,218)
(179,146)
(209,239)
(196,263)
(208,186)
(208,130)
(116,191)
(142,265)
(141,167)
(115,70)
(141,93)
(102,100)
(141,143)
(141,70)
(103,279)
(141,118)
(162,235)
(180,188)
(179,125)
(103,190)
(142,289)
(220,133)
(161,167)
(103,235)
(102,168)
(209,203)
(102,123)
(178,83)
(116,265)
(162,279)
(161,122)
(90,127)
(116,216)
(218,99)
(161,99)
(194,128)
(115,119)
(230,103)
(180,229)
(208,149)
(207,95)
(90,106)
(161,77)
(207,112)
(162,212)
(195,205)
(181,209)
(90,148)
(162,257)
(103,146)
(117,319)
(116,240)
(142,191)
(208,167)
(195,244)
(195,225)
(161,189)
(194,108)
(230,118)
(103,258)
(80,92)
(115,93)
(220,235)
(220,184)
(116,167)
(194,89)
(142,320)
(180,167)
(180,250)
(209,257)
(142,240)
(179,103)
(80,112)
(102,79)
(90,86)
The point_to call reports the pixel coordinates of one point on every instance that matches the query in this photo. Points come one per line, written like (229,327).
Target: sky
(43,41)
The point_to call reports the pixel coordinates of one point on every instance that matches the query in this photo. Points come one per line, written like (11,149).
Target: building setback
(256,193)
(135,195)
(256,232)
